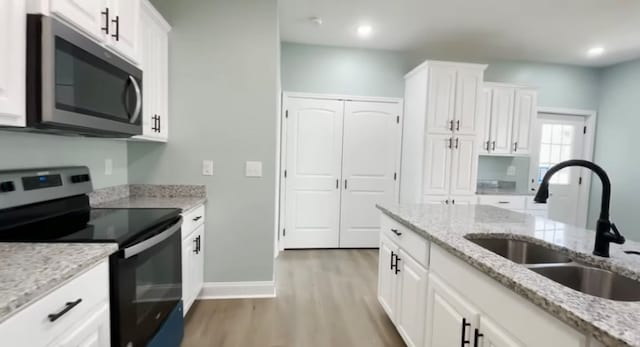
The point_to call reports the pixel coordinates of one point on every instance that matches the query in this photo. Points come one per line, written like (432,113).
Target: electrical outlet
(253,169)
(511,171)
(207,168)
(108,167)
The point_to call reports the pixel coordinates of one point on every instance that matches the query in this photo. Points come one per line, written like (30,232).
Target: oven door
(146,285)
(79,84)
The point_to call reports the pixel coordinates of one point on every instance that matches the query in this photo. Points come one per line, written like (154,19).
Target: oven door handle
(136,111)
(150,242)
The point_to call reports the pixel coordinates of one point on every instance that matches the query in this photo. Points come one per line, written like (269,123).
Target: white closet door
(370,155)
(313,164)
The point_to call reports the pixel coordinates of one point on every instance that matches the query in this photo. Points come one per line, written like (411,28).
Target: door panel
(313,164)
(446,314)
(412,307)
(128,12)
(464,166)
(441,99)
(370,158)
(437,163)
(495,336)
(387,277)
(84,14)
(485,138)
(526,108)
(468,94)
(501,119)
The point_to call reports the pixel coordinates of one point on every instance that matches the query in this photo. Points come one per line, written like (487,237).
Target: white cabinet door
(198,263)
(491,334)
(13,36)
(468,101)
(155,50)
(387,276)
(501,119)
(124,28)
(313,172)
(437,164)
(484,138)
(441,100)
(93,331)
(526,108)
(371,148)
(412,295)
(90,16)
(188,280)
(450,319)
(464,166)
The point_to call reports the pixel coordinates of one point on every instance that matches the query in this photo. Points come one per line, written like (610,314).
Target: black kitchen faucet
(604,236)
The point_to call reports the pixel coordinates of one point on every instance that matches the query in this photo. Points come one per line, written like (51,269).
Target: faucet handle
(619,239)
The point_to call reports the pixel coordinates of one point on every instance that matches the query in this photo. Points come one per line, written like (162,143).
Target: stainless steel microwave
(75,85)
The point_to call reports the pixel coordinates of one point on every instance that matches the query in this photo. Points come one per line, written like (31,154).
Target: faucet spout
(604,227)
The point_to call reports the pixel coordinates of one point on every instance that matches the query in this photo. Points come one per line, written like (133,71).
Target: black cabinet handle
(494,146)
(337,184)
(446,201)
(116,21)
(457,142)
(463,337)
(457,125)
(67,307)
(450,142)
(199,243)
(395,231)
(515,146)
(397,261)
(195,245)
(105,13)
(197,218)
(392,256)
(476,336)
(488,147)
(345,184)
(451,125)
(159,124)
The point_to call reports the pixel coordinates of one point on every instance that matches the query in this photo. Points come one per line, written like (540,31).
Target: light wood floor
(326,298)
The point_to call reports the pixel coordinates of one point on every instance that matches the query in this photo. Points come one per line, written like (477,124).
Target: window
(556,145)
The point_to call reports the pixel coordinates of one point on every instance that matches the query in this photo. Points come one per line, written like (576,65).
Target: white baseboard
(237,290)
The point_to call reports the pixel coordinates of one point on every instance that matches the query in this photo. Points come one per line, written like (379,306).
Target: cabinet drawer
(510,202)
(191,220)
(412,243)
(32,326)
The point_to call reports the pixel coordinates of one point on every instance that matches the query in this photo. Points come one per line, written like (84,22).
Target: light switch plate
(207,168)
(108,167)
(511,171)
(253,169)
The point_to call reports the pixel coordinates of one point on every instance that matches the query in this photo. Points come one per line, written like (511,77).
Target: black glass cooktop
(123,226)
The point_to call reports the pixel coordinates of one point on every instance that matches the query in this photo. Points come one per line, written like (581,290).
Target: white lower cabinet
(437,300)
(13,41)
(76,314)
(192,256)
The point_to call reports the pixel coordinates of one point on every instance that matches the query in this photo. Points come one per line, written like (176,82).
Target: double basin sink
(560,268)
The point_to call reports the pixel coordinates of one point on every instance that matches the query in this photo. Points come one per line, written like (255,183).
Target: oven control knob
(6,187)
(80,178)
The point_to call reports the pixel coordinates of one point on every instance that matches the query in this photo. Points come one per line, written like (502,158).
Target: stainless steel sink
(521,252)
(592,281)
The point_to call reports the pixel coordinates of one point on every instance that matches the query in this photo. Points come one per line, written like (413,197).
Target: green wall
(28,150)
(615,150)
(223,97)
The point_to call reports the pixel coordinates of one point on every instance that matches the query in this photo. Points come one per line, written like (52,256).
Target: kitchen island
(426,254)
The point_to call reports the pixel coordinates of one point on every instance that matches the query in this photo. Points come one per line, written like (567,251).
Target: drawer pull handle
(397,261)
(463,339)
(395,231)
(503,202)
(68,306)
(197,218)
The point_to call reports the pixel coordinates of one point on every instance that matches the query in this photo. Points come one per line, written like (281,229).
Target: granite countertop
(614,323)
(183,203)
(29,271)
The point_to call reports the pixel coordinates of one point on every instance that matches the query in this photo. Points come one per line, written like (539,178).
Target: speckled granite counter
(29,271)
(613,323)
(184,197)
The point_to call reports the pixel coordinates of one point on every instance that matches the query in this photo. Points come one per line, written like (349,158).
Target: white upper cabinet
(125,24)
(12,62)
(93,17)
(508,112)
(112,22)
(526,108)
(468,99)
(155,51)
(501,120)
(442,99)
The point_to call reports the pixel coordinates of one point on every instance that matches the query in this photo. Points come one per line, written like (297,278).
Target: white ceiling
(559,31)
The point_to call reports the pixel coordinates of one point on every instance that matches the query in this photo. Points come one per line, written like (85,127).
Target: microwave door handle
(136,111)
(150,242)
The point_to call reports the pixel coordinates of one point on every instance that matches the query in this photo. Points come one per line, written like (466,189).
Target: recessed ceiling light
(316,20)
(364,30)
(595,51)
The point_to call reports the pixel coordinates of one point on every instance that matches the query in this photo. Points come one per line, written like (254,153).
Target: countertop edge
(539,301)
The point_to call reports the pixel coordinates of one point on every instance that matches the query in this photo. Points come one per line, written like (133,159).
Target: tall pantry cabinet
(443,119)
